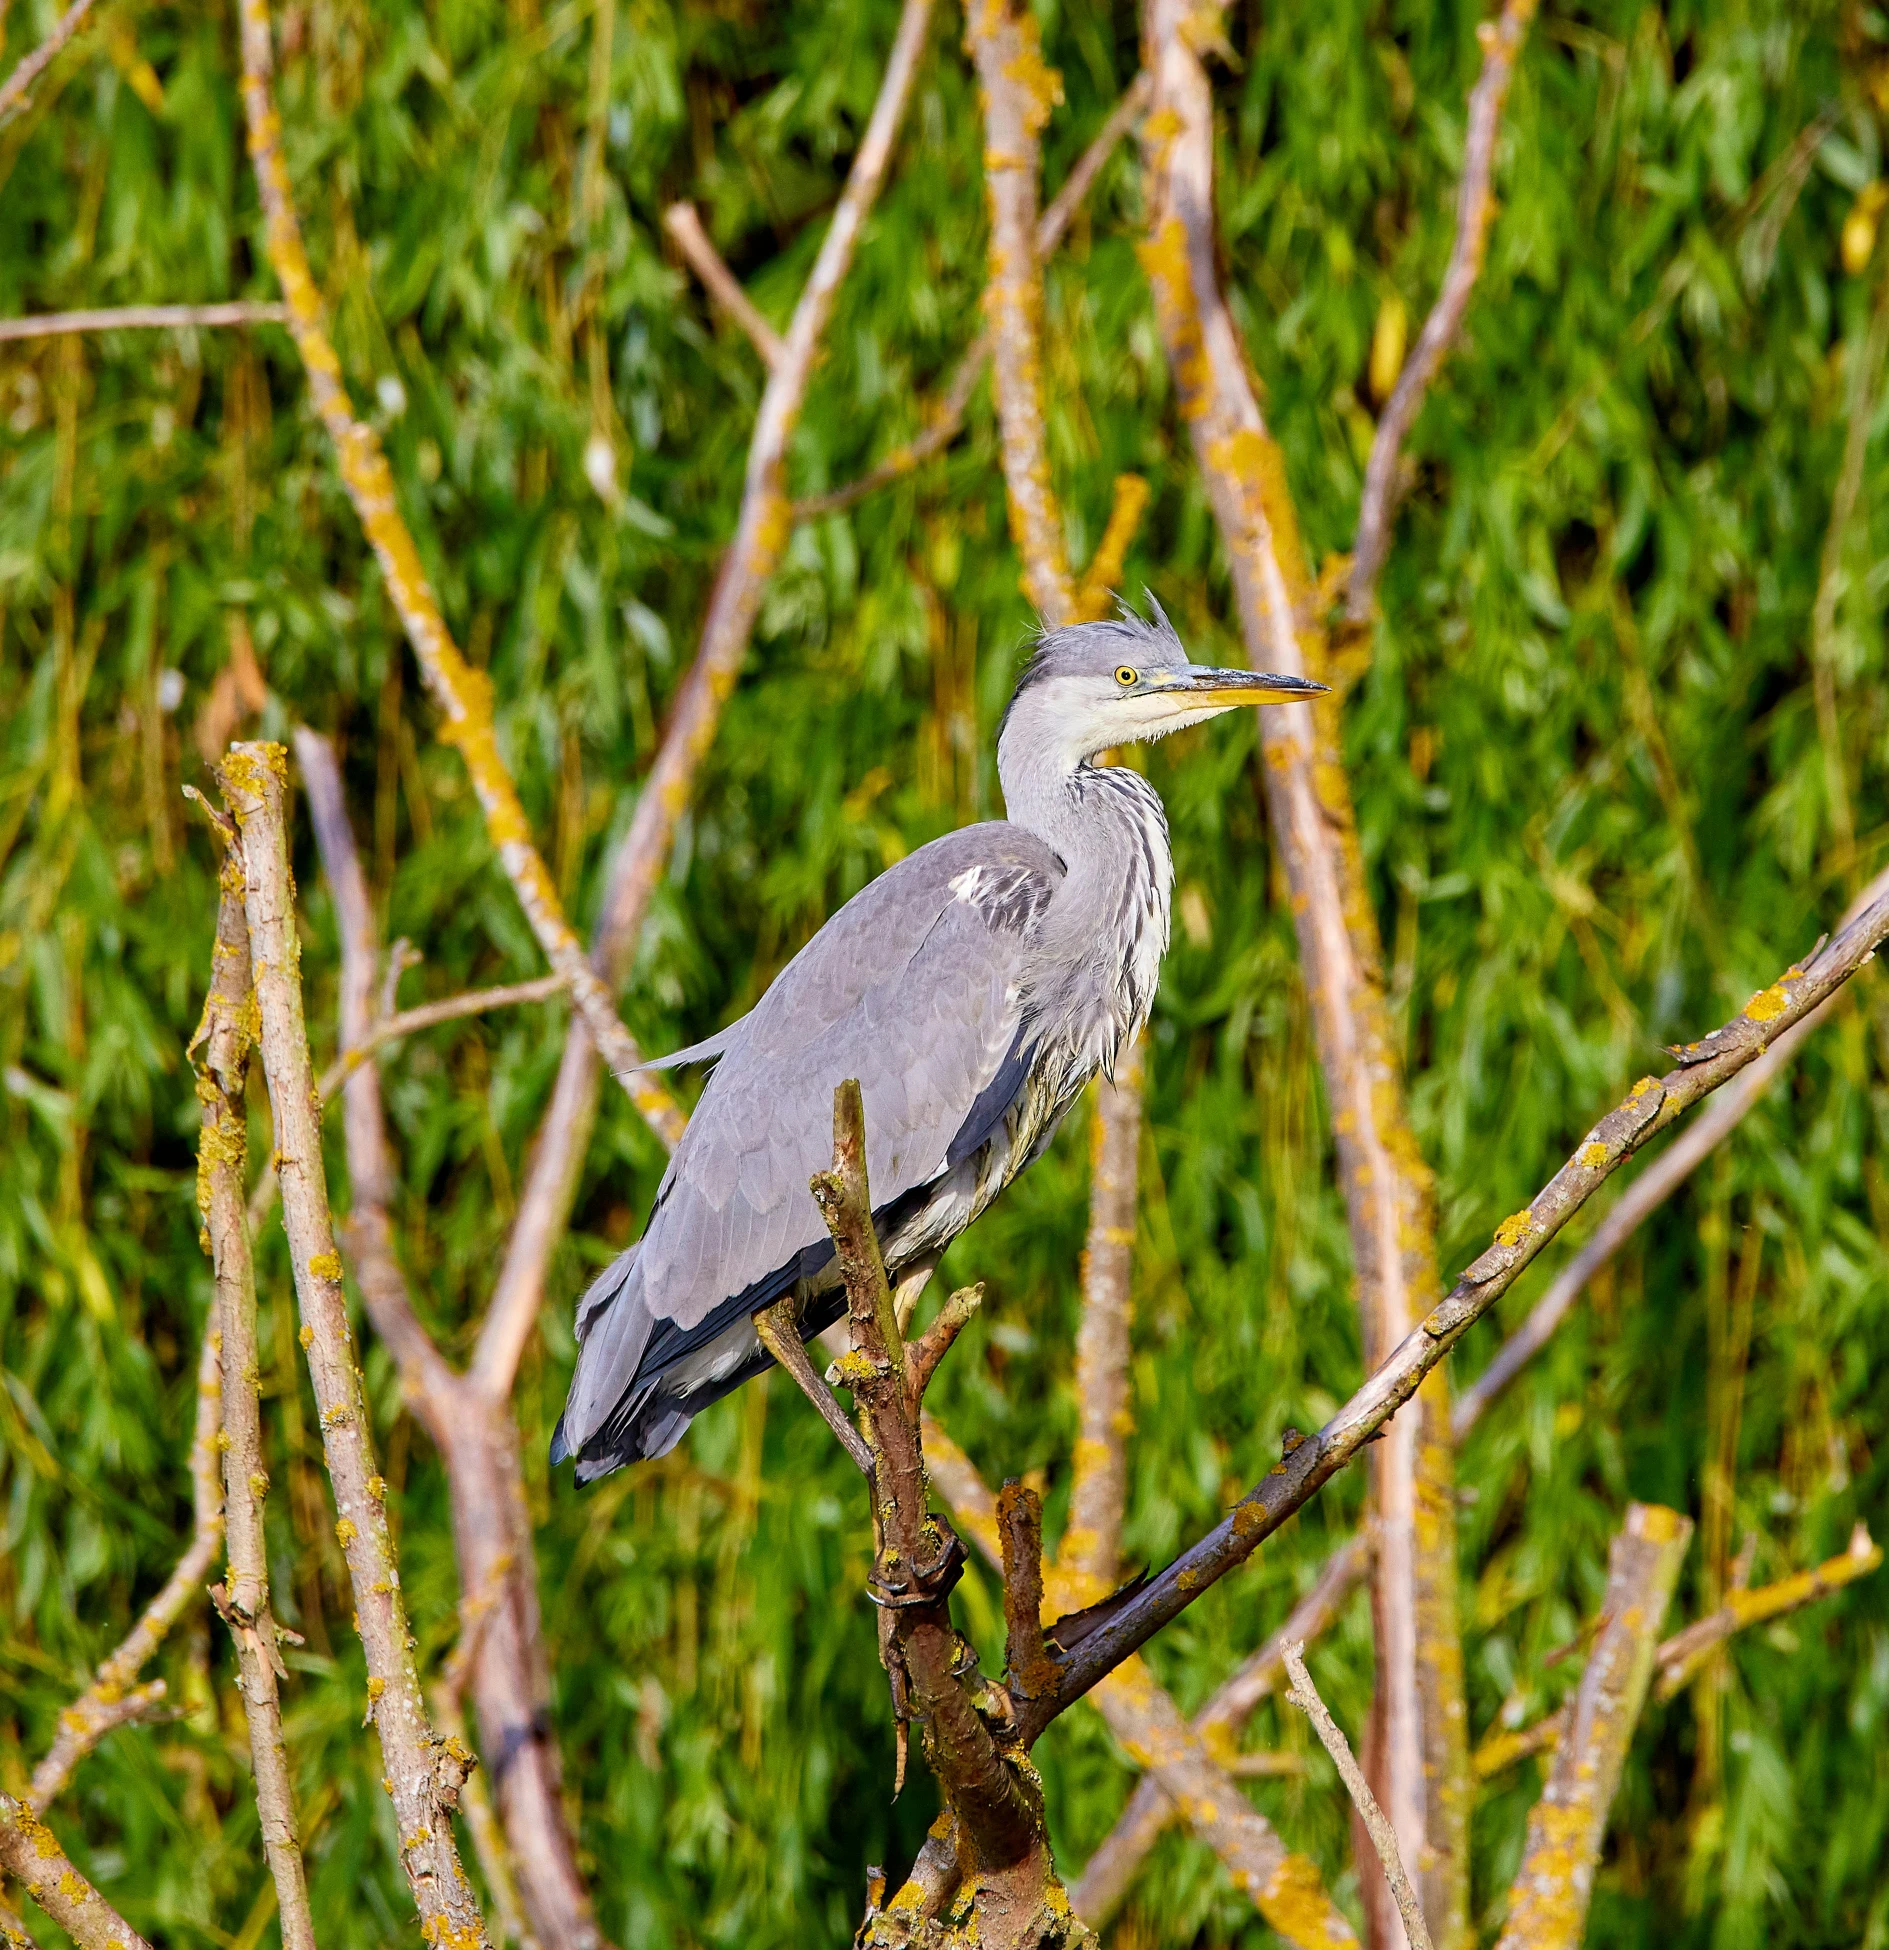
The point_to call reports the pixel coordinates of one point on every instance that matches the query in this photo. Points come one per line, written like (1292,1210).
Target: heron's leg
(906,1295)
(779,1329)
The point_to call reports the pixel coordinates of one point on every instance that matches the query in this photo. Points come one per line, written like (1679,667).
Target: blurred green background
(1598,805)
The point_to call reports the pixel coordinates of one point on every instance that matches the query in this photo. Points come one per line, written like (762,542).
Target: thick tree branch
(31,1851)
(1385,1182)
(429,1015)
(114,1698)
(682,223)
(224,1036)
(946,419)
(501,1658)
(1650,1107)
(463,694)
(1018,93)
(18,85)
(761,532)
(131,318)
(1548,1903)
(423,1773)
(1502,40)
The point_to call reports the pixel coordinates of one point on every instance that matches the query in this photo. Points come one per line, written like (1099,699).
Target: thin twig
(1653,1105)
(463,694)
(113,1699)
(946,419)
(429,1015)
(224,1036)
(1502,40)
(1678,1658)
(1645,1195)
(1018,92)
(779,1329)
(1304,1695)
(31,1851)
(500,1657)
(136,318)
(13,91)
(1548,1902)
(708,264)
(423,1773)
(761,534)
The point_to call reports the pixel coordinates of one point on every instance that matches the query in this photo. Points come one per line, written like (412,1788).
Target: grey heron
(973,989)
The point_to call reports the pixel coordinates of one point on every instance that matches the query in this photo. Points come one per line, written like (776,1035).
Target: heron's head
(1122,682)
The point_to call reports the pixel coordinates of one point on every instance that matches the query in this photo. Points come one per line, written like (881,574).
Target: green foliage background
(1596,806)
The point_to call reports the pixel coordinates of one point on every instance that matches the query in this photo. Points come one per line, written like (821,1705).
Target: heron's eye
(1124,676)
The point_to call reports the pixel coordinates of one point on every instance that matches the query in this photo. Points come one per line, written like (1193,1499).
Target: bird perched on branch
(973,989)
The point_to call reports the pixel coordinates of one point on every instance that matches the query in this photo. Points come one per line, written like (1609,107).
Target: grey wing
(920,997)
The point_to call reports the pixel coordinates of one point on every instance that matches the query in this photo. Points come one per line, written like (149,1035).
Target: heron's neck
(1106,928)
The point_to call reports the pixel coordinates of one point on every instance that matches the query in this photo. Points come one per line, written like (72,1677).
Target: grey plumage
(973,989)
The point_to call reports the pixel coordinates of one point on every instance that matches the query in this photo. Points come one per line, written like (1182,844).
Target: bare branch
(1679,1657)
(761,533)
(31,1851)
(1109,1871)
(779,1329)
(14,91)
(682,223)
(1548,1902)
(133,318)
(423,1773)
(1304,1695)
(1502,40)
(1018,93)
(1092,1537)
(463,694)
(222,1159)
(1650,1107)
(946,419)
(1644,1196)
(114,1698)
(923,1355)
(429,1015)
(500,1655)
(1020,1533)
(1385,1181)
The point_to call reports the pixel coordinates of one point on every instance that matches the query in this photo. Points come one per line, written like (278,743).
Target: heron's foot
(900,1582)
